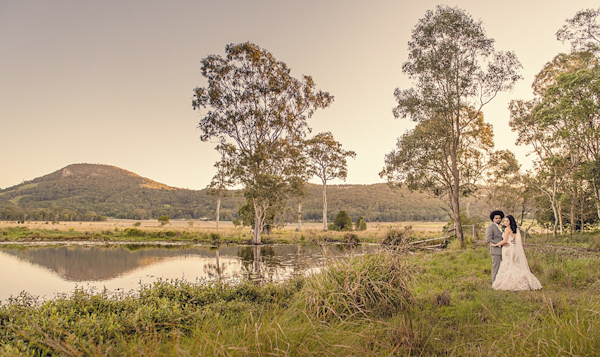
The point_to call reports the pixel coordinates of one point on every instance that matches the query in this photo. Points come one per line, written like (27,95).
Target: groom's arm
(504,239)
(489,234)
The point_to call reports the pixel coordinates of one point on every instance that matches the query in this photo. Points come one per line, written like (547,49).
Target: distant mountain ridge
(93,191)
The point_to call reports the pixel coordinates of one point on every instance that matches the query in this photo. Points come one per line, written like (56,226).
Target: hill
(93,192)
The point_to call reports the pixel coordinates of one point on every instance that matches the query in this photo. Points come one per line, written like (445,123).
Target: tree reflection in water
(215,271)
(123,266)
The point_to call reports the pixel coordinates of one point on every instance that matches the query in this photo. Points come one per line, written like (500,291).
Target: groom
(493,235)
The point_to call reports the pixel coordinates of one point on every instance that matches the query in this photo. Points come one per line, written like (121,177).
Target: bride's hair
(513,223)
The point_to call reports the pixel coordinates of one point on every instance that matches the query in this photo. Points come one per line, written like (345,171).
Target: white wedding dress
(514,273)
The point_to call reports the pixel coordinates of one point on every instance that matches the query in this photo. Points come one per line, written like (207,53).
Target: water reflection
(49,270)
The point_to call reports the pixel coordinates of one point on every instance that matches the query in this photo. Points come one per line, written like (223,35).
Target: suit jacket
(494,235)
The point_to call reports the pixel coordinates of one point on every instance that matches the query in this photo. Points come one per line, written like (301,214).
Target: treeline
(16,213)
(86,192)
(375,203)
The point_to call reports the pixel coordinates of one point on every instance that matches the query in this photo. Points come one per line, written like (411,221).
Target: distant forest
(86,192)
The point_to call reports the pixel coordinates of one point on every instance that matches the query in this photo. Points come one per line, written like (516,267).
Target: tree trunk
(553,204)
(552,197)
(299,216)
(598,201)
(581,213)
(218,214)
(259,219)
(324,206)
(456,218)
(573,209)
(560,220)
(455,189)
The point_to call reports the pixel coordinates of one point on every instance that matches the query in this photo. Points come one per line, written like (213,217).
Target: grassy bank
(385,304)
(202,232)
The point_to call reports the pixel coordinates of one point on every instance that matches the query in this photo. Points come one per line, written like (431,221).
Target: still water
(46,271)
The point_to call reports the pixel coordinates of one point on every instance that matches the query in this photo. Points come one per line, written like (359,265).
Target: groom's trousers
(496,260)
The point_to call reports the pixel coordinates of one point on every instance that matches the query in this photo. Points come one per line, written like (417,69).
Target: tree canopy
(327,161)
(456,72)
(258,112)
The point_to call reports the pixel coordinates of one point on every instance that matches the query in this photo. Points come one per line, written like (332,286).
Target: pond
(48,270)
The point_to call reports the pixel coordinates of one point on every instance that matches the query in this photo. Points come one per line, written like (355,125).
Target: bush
(360,224)
(397,236)
(133,232)
(163,220)
(342,222)
(351,238)
(215,238)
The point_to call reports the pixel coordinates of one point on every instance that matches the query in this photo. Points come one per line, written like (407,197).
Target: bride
(514,273)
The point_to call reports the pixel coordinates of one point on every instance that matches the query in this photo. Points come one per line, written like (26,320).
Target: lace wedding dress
(514,273)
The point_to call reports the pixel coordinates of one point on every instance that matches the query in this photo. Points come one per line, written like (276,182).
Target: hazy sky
(111,82)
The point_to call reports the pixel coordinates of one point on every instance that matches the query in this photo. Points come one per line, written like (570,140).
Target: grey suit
(493,234)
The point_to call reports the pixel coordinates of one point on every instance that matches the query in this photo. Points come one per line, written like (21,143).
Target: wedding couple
(510,270)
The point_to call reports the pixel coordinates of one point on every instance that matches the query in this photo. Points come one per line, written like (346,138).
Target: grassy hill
(93,192)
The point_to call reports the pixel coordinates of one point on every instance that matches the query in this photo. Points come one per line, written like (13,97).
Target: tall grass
(372,286)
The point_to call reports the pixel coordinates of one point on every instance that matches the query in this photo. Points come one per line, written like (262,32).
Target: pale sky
(111,82)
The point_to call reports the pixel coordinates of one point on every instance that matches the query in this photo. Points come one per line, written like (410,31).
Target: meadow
(202,232)
(397,302)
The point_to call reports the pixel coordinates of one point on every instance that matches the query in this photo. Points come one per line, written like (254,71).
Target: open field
(206,232)
(201,231)
(195,224)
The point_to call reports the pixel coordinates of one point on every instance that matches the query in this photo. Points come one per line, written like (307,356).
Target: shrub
(215,238)
(396,236)
(163,220)
(342,222)
(351,238)
(133,232)
(360,224)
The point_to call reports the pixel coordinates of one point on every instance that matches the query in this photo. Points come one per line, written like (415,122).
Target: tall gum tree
(583,32)
(327,161)
(572,107)
(422,159)
(456,72)
(257,111)
(562,125)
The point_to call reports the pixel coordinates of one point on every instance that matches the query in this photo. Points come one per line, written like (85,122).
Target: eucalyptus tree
(562,125)
(422,159)
(221,182)
(256,110)
(327,161)
(583,31)
(551,166)
(456,72)
(572,106)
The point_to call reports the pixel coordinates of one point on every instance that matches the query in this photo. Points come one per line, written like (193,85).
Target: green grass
(427,304)
(24,234)
(48,232)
